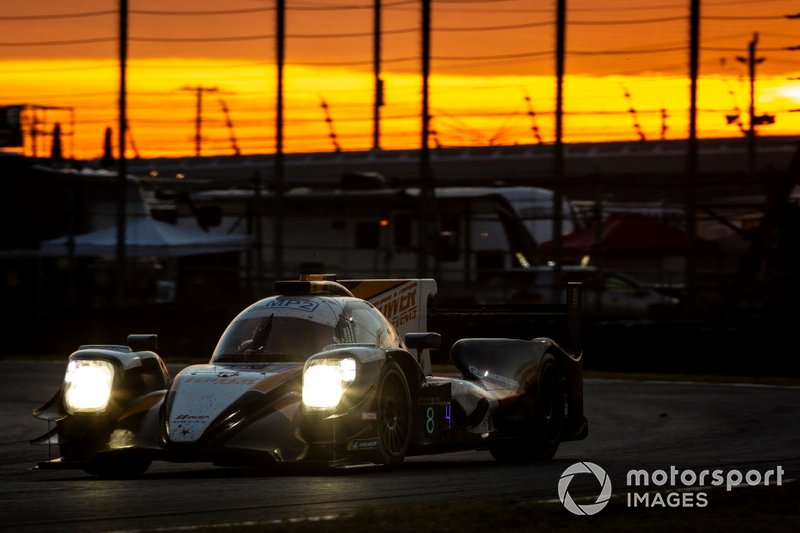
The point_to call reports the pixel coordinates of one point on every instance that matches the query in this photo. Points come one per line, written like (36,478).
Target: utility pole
(35,131)
(751,61)
(122,166)
(558,148)
(277,193)
(198,117)
(426,217)
(691,156)
(72,133)
(378,98)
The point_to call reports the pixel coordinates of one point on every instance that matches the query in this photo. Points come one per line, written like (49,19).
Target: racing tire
(394,415)
(118,468)
(544,435)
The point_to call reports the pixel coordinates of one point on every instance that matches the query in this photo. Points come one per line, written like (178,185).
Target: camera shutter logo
(584,468)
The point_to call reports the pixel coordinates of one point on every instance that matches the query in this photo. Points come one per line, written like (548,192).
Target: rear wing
(410,306)
(561,322)
(404,302)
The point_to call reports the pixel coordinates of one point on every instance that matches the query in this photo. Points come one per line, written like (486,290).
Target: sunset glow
(481,73)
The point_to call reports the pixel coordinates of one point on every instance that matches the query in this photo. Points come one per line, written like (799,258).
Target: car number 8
(430,422)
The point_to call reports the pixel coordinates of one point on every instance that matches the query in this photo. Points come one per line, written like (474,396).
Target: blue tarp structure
(147,237)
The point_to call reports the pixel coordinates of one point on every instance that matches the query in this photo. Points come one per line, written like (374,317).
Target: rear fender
(510,367)
(571,368)
(506,364)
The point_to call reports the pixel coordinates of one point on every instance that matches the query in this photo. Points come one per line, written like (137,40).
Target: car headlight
(87,385)
(325,380)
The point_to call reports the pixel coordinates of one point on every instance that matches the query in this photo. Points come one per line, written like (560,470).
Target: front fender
(370,362)
(351,428)
(139,378)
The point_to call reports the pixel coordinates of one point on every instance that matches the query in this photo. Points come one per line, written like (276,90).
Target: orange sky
(487,56)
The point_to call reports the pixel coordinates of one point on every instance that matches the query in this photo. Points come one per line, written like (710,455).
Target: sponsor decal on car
(298,304)
(362,444)
(487,374)
(199,399)
(189,418)
(399,306)
(222,380)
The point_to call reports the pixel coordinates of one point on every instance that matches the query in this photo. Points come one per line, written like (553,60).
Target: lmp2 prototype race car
(316,374)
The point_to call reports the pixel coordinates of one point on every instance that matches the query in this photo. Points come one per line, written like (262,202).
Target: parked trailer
(374,232)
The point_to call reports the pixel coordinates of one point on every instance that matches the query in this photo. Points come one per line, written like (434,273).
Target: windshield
(272,339)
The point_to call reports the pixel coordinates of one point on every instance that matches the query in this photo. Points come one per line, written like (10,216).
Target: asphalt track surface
(633,425)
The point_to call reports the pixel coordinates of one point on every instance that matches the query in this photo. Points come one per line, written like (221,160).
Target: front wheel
(394,415)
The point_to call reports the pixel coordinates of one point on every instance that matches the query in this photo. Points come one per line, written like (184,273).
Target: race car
(324,372)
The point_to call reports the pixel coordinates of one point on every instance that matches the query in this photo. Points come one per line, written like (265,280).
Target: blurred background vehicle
(607,295)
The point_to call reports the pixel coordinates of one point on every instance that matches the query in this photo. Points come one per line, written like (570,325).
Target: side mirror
(421,342)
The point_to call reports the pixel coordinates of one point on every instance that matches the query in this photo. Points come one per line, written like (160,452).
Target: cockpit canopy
(293,328)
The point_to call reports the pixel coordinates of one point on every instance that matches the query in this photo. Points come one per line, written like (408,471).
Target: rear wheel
(544,433)
(549,412)
(394,414)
